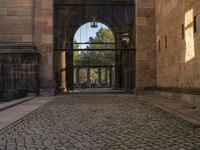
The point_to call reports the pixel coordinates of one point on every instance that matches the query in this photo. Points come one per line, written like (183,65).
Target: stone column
(63,70)
(70,72)
(106,75)
(77,77)
(118,62)
(70,65)
(43,40)
(88,77)
(110,73)
(99,76)
(145,76)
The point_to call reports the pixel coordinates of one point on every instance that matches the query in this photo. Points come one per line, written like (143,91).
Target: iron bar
(94,66)
(94,50)
(93,4)
(95,43)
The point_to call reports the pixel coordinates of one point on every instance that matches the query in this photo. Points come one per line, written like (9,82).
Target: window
(183,31)
(195,24)
(165,41)
(159,45)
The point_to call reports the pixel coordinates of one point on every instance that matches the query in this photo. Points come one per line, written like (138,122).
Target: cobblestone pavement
(100,122)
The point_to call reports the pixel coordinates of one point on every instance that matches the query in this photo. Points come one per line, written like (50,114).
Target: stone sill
(192,91)
(188,98)
(17,48)
(6,105)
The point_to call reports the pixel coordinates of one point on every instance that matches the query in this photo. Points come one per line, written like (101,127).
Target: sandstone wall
(178,64)
(16,18)
(26,32)
(18,75)
(145,44)
(43,36)
(27,25)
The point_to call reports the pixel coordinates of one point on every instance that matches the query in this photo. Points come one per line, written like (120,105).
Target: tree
(99,57)
(76,55)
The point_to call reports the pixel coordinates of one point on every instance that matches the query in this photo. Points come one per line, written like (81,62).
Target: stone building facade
(177,58)
(145,45)
(166,56)
(26,47)
(178,45)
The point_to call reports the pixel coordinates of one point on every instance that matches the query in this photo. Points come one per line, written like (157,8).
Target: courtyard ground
(99,122)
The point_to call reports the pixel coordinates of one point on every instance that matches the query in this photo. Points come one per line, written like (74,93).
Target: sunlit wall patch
(189,35)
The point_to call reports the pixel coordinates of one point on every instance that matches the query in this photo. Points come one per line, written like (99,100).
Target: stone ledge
(194,91)
(10,104)
(177,108)
(191,99)
(18,48)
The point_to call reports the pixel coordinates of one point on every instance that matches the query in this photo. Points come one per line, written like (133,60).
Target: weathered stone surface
(28,21)
(18,75)
(177,64)
(145,44)
(16,18)
(100,122)
(44,42)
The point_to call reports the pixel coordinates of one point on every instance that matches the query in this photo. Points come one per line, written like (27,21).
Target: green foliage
(97,57)
(76,54)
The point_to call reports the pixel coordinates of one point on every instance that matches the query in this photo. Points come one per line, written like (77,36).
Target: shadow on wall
(188,76)
(191,59)
(179,59)
(18,75)
(189,36)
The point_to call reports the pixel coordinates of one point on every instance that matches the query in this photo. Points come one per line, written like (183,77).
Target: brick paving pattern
(99,122)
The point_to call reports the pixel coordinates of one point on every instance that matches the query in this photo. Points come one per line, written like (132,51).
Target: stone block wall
(18,57)
(167,49)
(43,38)
(178,47)
(145,45)
(16,21)
(18,75)
(26,27)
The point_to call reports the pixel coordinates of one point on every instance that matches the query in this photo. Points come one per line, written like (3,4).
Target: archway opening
(94,56)
(102,63)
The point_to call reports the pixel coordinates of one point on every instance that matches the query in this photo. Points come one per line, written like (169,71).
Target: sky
(85,31)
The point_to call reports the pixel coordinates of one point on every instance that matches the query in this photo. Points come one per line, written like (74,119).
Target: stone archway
(39,34)
(117,15)
(94,72)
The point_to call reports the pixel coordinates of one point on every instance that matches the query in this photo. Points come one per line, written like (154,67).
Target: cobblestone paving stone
(100,122)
